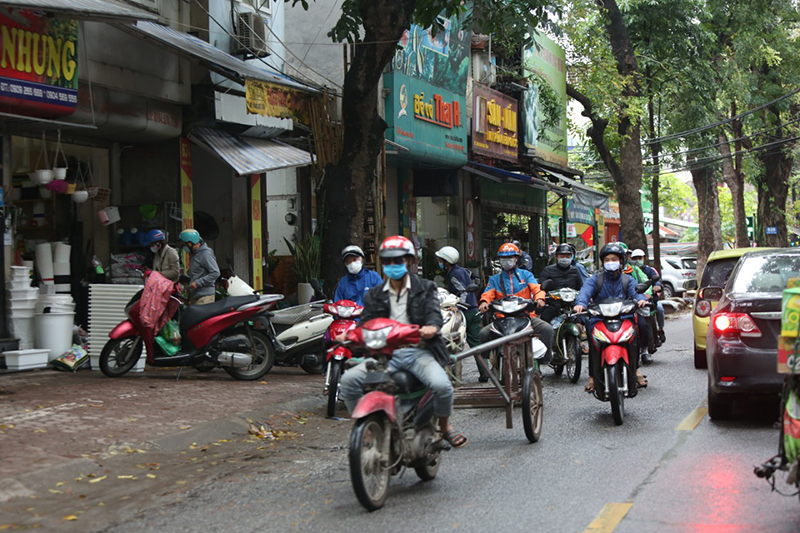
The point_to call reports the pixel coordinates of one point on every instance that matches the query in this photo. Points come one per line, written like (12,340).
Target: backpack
(625,282)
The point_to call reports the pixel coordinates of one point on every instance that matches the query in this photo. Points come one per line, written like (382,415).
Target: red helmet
(397,246)
(509,250)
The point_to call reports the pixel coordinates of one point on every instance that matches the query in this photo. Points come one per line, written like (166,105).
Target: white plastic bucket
(22,328)
(61,254)
(54,332)
(21,313)
(44,262)
(18,284)
(23,294)
(304,293)
(29,303)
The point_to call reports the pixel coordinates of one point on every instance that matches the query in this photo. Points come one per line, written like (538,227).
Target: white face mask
(154,248)
(508,264)
(355,267)
(611,266)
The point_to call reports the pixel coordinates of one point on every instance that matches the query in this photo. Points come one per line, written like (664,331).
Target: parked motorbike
(394,424)
(212,335)
(616,339)
(788,457)
(567,338)
(344,313)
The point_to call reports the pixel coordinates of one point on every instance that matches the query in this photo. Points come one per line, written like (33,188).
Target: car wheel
(700,361)
(668,291)
(719,407)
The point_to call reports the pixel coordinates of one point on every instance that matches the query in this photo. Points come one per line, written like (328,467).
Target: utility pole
(655,149)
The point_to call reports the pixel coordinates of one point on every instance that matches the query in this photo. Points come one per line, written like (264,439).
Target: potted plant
(307,262)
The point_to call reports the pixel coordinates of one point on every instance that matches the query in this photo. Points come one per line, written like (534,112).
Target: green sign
(513,197)
(546,63)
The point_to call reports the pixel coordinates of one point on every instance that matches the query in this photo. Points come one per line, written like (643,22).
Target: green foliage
(726,211)
(307,258)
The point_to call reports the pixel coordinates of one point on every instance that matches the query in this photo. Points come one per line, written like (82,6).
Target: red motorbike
(212,335)
(616,339)
(344,313)
(394,425)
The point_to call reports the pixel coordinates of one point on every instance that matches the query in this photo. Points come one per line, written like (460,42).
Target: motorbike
(394,423)
(788,457)
(454,327)
(344,313)
(212,335)
(615,337)
(648,313)
(567,339)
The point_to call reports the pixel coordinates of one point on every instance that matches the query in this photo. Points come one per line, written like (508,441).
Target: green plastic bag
(169,338)
(166,346)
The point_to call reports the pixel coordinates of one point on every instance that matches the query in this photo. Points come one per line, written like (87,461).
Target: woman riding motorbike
(358,280)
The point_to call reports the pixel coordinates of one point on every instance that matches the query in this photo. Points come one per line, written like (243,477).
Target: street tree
(377,26)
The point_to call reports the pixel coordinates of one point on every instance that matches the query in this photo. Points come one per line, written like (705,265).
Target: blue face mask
(441,265)
(395,271)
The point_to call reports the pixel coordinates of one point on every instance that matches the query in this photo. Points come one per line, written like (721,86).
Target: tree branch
(597,131)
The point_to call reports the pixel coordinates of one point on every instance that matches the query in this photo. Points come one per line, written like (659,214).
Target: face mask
(355,267)
(564,262)
(395,271)
(441,265)
(611,266)
(154,248)
(637,262)
(508,264)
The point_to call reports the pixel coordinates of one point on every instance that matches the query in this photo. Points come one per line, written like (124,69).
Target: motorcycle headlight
(614,309)
(569,295)
(509,306)
(627,308)
(345,311)
(375,339)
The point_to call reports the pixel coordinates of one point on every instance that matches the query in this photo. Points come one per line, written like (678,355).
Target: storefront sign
(187,192)
(548,61)
(469,217)
(38,64)
(255,231)
(263,98)
(494,126)
(513,198)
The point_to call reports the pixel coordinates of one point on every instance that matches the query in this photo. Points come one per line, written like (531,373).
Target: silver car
(675,271)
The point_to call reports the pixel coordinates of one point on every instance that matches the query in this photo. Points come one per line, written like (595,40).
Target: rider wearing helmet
(165,257)
(637,260)
(409,299)
(525,260)
(562,274)
(514,281)
(203,269)
(458,279)
(613,285)
(358,280)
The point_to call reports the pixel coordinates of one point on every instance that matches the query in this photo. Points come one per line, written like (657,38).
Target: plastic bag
(72,359)
(169,338)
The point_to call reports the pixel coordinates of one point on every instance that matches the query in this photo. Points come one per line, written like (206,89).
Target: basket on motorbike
(298,313)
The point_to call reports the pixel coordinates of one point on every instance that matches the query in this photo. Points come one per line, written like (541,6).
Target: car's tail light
(702,308)
(736,324)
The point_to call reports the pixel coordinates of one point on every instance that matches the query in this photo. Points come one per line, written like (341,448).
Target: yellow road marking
(694,418)
(608,518)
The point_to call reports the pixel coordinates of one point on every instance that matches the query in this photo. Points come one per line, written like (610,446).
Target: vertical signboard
(494,124)
(547,61)
(255,231)
(187,191)
(469,217)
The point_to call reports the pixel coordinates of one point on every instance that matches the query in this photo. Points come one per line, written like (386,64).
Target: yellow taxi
(715,274)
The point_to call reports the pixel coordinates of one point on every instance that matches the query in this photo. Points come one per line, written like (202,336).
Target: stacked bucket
(55,311)
(22,300)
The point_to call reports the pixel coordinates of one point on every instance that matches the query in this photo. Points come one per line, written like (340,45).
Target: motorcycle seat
(194,314)
(407,383)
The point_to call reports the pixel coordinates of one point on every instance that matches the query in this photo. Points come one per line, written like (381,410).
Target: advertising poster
(494,124)
(187,191)
(256,234)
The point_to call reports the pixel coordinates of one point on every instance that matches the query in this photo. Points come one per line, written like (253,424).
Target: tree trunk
(709,236)
(655,151)
(773,188)
(734,179)
(347,183)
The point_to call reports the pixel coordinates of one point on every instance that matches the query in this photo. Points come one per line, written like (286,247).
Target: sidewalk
(48,417)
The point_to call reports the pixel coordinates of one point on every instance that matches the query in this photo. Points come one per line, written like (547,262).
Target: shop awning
(247,155)
(497,174)
(95,10)
(198,50)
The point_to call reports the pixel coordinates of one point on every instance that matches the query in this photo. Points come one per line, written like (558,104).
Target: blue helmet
(188,236)
(154,235)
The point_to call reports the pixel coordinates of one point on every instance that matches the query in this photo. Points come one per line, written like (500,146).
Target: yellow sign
(187,189)
(263,98)
(255,231)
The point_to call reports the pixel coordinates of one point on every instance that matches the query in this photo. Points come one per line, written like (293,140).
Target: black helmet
(517,244)
(613,248)
(565,248)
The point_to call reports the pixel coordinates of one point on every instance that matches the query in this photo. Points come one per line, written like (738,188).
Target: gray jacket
(203,271)
(166,262)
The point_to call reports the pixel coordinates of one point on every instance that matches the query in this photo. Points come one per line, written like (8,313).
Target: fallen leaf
(151,476)
(97,479)
(224,440)
(70,517)
(54,491)
(61,483)
(40,431)
(180,482)
(263,382)
(126,477)
(186,427)
(101,504)
(29,509)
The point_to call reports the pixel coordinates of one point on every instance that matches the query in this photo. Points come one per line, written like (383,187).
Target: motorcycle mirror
(655,279)
(641,288)
(547,285)
(316,285)
(472,287)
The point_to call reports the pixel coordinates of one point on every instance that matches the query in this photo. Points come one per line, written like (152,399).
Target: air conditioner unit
(483,70)
(252,35)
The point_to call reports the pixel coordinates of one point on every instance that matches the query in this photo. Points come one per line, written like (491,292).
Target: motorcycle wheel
(574,359)
(263,359)
(316,367)
(333,387)
(119,356)
(616,395)
(368,469)
(429,471)
(532,405)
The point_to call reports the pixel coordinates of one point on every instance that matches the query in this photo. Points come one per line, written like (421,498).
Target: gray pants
(417,361)
(540,327)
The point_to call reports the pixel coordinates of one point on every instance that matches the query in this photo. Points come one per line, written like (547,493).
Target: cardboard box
(790,313)
(788,355)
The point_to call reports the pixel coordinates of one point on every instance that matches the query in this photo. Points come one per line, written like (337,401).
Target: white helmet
(352,250)
(637,253)
(449,254)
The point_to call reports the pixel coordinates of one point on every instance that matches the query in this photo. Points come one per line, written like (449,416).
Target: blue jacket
(354,287)
(515,282)
(612,288)
(458,279)
(526,261)
(582,271)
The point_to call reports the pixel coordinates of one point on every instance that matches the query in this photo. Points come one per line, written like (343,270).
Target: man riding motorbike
(408,299)
(525,260)
(458,279)
(613,285)
(513,281)
(637,258)
(562,274)
(358,280)
(638,275)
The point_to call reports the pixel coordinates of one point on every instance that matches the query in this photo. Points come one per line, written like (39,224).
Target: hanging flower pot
(59,173)
(42,176)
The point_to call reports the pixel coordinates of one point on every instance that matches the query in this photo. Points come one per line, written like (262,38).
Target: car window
(716,274)
(766,273)
(690,264)
(673,263)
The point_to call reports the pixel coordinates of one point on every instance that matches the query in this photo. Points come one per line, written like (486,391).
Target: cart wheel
(532,405)
(616,395)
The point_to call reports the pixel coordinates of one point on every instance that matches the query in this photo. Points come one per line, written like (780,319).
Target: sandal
(455,439)
(641,381)
(589,386)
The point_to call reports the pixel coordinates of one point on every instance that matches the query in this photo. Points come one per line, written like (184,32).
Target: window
(151,5)
(689,263)
(766,273)
(263,7)
(716,274)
